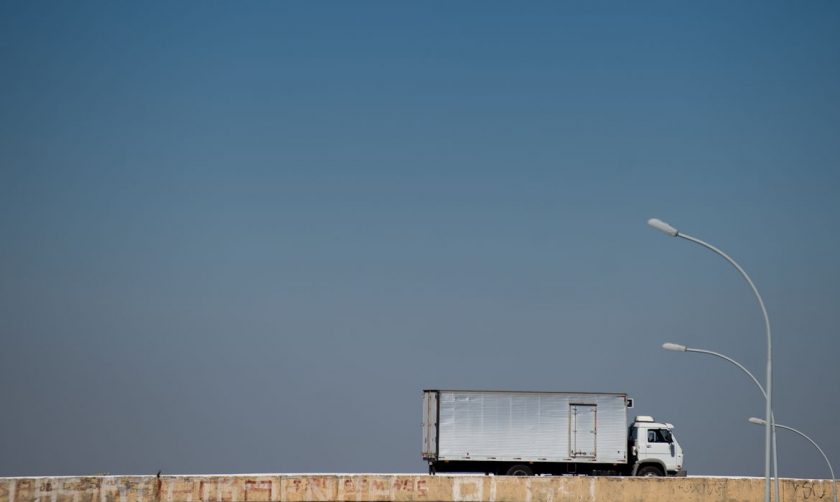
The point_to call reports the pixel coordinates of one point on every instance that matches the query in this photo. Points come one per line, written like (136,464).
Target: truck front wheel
(520,470)
(649,471)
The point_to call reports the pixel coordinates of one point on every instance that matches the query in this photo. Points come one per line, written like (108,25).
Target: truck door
(657,443)
(582,430)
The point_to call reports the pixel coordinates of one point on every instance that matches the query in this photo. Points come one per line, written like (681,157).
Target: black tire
(520,470)
(649,471)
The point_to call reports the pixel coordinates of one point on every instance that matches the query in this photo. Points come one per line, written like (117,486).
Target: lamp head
(757,421)
(663,227)
(674,347)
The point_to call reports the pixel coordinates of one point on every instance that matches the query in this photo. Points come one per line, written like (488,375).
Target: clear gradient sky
(241,237)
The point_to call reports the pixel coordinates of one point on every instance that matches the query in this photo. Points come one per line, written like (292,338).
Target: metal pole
(833,480)
(768,430)
(830,469)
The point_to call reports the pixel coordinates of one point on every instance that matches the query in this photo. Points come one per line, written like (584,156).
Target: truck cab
(654,449)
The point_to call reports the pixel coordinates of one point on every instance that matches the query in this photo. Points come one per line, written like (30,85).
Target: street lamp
(759,421)
(675,347)
(673,232)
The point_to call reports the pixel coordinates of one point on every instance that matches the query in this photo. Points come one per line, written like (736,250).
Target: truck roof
(653,425)
(527,392)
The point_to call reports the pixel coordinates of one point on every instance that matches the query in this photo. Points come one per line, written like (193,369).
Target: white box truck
(557,433)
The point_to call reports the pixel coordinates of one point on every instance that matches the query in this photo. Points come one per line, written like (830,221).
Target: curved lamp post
(673,232)
(675,347)
(759,421)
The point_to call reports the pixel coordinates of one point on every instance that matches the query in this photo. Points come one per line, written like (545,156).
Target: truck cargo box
(464,425)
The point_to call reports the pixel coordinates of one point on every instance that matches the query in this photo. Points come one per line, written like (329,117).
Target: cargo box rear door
(582,430)
(430,424)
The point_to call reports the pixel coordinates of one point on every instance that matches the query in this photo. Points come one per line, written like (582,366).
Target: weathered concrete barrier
(398,488)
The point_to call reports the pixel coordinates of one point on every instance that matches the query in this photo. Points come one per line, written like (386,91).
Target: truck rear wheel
(520,470)
(649,471)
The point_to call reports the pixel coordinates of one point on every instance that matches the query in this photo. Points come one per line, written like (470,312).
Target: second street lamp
(673,232)
(676,347)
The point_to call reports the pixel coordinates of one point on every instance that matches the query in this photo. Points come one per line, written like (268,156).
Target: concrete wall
(398,487)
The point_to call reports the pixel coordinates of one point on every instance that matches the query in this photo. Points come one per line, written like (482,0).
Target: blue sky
(243,237)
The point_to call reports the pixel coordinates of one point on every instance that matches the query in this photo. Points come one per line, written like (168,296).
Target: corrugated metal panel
(529,426)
